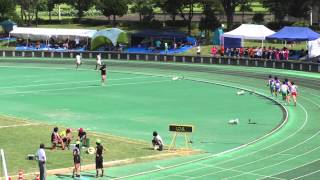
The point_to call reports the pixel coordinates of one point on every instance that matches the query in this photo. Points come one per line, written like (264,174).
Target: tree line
(29,9)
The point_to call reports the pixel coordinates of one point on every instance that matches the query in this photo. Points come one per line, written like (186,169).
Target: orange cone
(20,176)
(37,177)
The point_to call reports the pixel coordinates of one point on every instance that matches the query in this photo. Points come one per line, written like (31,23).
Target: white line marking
(305,175)
(73,82)
(83,87)
(18,125)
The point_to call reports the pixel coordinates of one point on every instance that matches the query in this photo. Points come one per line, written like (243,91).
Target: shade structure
(8,25)
(294,33)
(43,34)
(108,36)
(249,31)
(152,35)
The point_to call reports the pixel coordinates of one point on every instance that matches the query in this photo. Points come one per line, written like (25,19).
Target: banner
(314,48)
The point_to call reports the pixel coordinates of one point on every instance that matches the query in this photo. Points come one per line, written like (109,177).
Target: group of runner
(287,89)
(102,67)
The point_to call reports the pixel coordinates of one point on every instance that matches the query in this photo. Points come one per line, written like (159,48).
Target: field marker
(18,125)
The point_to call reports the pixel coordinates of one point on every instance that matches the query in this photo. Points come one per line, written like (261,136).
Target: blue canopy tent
(294,34)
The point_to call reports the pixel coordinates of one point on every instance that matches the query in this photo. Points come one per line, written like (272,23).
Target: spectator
(41,155)
(56,139)
(82,137)
(214,51)
(66,137)
(157,142)
(198,50)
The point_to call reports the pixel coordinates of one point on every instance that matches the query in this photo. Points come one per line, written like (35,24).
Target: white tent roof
(47,33)
(249,31)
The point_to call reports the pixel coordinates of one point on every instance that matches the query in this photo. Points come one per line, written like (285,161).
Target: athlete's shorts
(294,93)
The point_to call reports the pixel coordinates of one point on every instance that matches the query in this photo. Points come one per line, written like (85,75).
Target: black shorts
(99,162)
(76,159)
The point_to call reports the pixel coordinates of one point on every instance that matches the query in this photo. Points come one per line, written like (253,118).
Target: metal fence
(290,65)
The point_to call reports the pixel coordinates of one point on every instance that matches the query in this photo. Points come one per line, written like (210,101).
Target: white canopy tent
(249,31)
(36,34)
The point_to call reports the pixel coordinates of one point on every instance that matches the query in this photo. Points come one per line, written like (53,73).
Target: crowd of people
(256,52)
(286,88)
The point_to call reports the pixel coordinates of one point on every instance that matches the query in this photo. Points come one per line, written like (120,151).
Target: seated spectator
(56,139)
(157,142)
(82,137)
(66,136)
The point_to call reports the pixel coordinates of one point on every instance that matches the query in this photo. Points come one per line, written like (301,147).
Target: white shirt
(78,59)
(198,49)
(159,139)
(99,59)
(294,88)
(41,155)
(284,88)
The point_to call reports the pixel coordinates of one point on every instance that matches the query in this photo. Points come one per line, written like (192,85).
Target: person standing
(78,61)
(99,158)
(76,160)
(166,48)
(98,63)
(198,50)
(41,154)
(103,70)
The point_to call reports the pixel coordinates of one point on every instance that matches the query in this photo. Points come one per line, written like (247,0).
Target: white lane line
(83,87)
(305,175)
(73,82)
(18,125)
(281,162)
(297,167)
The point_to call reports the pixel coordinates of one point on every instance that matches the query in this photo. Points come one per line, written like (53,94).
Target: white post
(4,165)
(311,16)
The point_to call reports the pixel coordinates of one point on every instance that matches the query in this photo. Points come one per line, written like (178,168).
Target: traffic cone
(20,176)
(37,177)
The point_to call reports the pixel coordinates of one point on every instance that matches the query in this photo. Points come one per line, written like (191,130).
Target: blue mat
(148,51)
(24,48)
(8,39)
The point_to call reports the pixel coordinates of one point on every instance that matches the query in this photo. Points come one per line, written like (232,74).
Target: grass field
(52,95)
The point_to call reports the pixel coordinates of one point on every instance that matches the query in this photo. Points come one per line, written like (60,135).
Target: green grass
(20,141)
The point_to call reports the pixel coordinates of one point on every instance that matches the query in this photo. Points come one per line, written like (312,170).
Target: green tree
(170,6)
(144,8)
(112,8)
(29,9)
(81,6)
(7,8)
(229,7)
(209,22)
(186,11)
(245,6)
(279,8)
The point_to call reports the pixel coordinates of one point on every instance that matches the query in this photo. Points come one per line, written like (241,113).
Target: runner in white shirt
(294,92)
(285,92)
(78,61)
(157,141)
(98,63)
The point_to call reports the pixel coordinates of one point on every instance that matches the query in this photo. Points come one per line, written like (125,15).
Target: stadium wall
(251,62)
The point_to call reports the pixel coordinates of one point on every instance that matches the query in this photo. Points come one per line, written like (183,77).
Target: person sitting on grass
(82,137)
(157,142)
(56,139)
(66,136)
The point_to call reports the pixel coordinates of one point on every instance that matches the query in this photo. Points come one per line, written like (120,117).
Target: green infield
(131,105)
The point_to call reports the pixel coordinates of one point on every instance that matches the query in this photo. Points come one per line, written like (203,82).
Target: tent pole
(8,40)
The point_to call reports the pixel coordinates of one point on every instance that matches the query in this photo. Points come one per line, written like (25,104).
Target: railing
(282,64)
